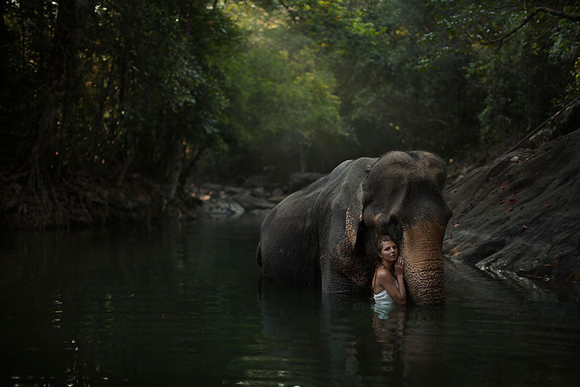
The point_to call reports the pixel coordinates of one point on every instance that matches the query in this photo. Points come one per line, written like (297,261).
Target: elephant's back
(293,232)
(288,249)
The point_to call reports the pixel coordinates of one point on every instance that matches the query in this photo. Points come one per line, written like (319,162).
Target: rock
(520,212)
(222,207)
(215,189)
(255,181)
(191,201)
(249,202)
(277,192)
(567,121)
(232,191)
(300,180)
(259,213)
(259,192)
(277,199)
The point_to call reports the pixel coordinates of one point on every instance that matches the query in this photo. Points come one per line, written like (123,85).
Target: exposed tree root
(31,201)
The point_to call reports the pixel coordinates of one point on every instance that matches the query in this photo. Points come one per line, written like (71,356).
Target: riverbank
(86,201)
(79,200)
(519,213)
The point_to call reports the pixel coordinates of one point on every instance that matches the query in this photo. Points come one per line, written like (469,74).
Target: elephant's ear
(342,249)
(344,229)
(347,211)
(353,217)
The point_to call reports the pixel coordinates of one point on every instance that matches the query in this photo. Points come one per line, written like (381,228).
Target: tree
(117,86)
(451,76)
(282,94)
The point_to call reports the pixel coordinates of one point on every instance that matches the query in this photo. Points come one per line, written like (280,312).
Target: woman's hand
(399,267)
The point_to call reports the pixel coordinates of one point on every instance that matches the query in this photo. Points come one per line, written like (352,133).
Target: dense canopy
(223,90)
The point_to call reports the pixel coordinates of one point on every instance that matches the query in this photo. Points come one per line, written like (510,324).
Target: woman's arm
(398,294)
(401,281)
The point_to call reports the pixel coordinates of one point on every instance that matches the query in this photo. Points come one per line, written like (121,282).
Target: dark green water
(184,306)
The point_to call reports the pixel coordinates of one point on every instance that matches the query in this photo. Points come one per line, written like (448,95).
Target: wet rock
(261,213)
(222,208)
(249,202)
(520,212)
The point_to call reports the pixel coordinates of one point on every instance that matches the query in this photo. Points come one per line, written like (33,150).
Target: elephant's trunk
(423,256)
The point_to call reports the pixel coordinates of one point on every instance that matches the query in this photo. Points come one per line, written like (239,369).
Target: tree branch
(526,21)
(284,5)
(542,125)
(562,15)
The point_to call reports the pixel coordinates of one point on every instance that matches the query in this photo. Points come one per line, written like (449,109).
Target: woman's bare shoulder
(384,276)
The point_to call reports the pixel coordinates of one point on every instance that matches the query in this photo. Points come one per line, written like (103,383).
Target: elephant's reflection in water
(423,348)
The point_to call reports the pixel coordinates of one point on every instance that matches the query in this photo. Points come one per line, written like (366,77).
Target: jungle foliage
(188,88)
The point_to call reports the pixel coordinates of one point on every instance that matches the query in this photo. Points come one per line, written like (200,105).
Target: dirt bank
(86,201)
(78,201)
(521,212)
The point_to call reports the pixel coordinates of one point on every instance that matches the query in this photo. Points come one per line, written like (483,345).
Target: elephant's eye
(393,228)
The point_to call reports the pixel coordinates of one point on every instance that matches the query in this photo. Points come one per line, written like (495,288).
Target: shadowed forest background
(100,94)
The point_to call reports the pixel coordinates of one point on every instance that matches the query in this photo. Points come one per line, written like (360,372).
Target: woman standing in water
(388,282)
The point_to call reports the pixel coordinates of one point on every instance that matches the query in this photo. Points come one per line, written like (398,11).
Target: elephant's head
(402,197)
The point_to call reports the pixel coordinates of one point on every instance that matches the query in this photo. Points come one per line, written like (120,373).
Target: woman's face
(389,251)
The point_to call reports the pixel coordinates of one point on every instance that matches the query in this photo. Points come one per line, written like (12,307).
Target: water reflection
(337,339)
(423,345)
(184,305)
(346,342)
(291,322)
(389,326)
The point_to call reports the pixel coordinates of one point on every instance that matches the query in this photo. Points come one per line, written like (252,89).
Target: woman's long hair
(379,246)
(380,241)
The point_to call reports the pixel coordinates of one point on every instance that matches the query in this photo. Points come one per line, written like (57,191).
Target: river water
(184,305)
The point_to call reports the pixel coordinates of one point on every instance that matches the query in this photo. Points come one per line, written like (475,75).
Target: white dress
(383,299)
(384,303)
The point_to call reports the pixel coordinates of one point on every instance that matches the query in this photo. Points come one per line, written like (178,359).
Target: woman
(388,282)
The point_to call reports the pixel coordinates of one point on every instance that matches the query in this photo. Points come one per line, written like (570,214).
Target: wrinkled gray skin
(326,233)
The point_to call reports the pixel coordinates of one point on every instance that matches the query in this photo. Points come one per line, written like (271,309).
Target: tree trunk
(173,170)
(61,142)
(131,148)
(58,70)
(191,163)
(130,136)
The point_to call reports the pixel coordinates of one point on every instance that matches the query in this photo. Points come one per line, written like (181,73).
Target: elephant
(326,234)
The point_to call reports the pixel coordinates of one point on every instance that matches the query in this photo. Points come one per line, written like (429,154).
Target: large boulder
(521,212)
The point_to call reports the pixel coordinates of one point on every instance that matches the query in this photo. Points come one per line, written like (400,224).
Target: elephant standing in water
(326,234)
